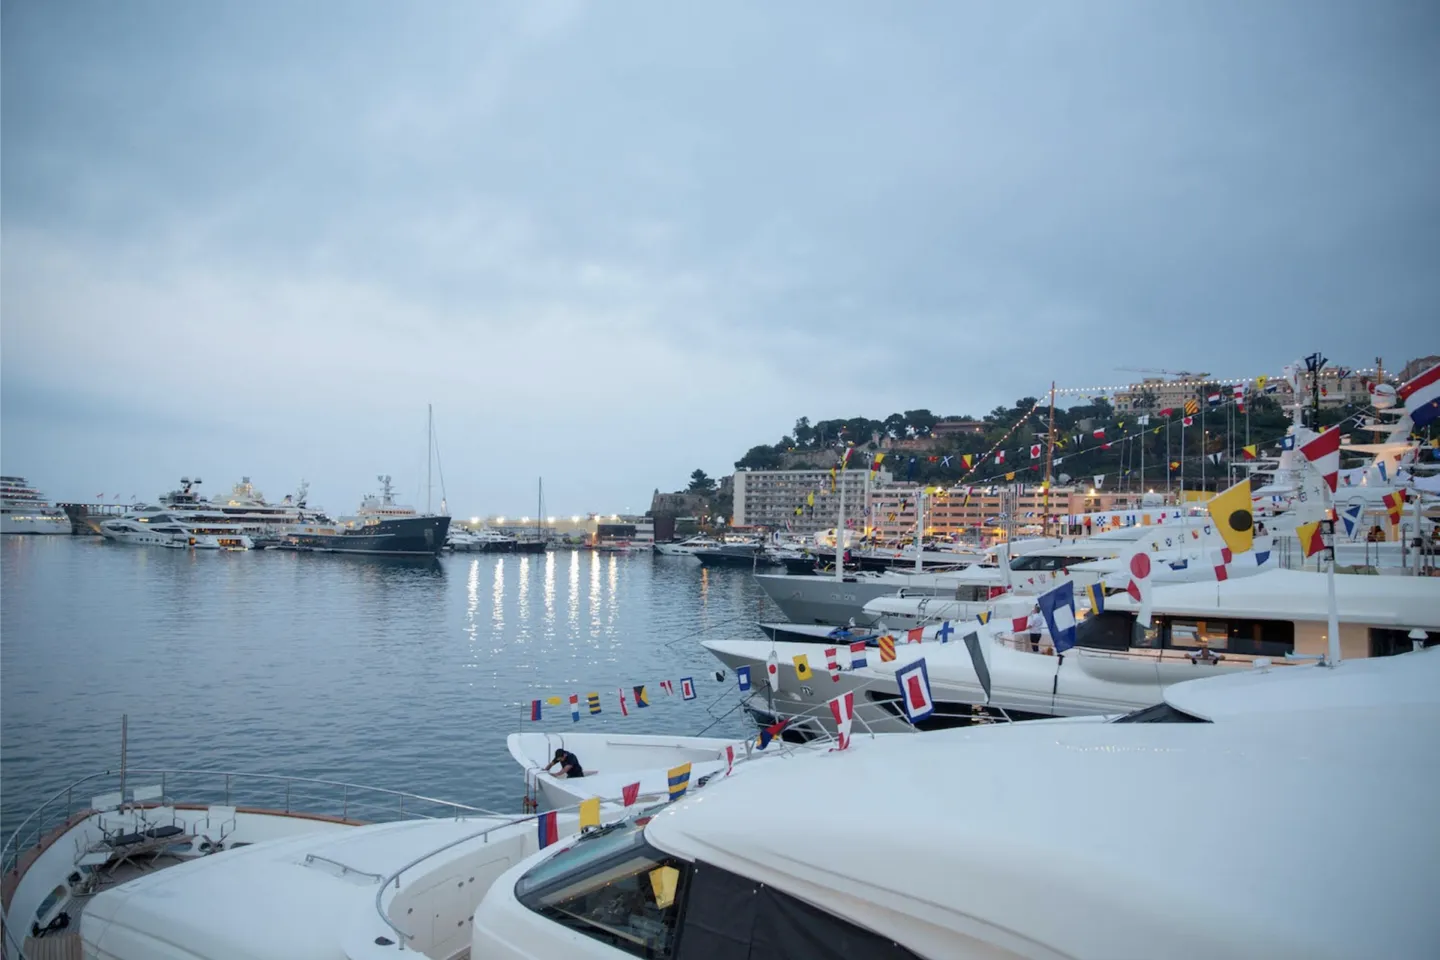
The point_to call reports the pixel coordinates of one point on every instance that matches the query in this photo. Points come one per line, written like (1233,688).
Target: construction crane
(1188,375)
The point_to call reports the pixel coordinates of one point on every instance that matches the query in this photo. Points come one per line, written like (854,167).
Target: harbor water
(399,674)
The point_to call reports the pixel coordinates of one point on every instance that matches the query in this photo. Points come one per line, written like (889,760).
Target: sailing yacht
(23,509)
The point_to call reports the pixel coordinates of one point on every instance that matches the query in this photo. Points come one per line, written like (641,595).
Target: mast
(840,532)
(1049,458)
(429,449)
(919,526)
(540,511)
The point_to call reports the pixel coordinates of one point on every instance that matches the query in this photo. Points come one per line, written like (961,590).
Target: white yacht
(687,548)
(156,527)
(722,867)
(1116,666)
(1043,820)
(23,509)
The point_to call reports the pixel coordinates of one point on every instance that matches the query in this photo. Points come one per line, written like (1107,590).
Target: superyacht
(381,526)
(24,510)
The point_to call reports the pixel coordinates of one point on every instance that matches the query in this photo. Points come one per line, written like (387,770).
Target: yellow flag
(554,701)
(1260,381)
(1233,516)
(810,499)
(802,666)
(1009,476)
(590,813)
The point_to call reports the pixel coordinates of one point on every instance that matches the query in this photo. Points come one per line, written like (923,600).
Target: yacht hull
(34,524)
(822,599)
(400,537)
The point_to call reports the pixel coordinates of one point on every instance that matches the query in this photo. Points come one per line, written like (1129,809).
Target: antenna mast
(429,447)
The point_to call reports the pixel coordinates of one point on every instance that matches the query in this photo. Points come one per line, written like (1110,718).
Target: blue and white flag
(687,688)
(914,681)
(1350,517)
(1380,467)
(1058,609)
(742,675)
(1287,442)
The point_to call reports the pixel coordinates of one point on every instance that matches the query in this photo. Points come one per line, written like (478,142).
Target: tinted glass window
(1387,643)
(614,887)
(1268,638)
(1110,630)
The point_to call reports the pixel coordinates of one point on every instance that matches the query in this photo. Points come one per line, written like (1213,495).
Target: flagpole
(1204,442)
(1167,458)
(919,526)
(1049,458)
(840,532)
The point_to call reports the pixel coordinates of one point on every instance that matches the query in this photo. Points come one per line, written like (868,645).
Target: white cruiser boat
(730,871)
(1117,665)
(24,510)
(137,873)
(155,527)
(687,548)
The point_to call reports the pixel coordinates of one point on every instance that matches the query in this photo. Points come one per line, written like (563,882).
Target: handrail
(344,867)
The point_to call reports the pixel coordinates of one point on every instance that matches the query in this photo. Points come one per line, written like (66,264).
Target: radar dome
(1383,396)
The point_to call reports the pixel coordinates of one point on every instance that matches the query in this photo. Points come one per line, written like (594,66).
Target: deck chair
(217,824)
(113,822)
(156,822)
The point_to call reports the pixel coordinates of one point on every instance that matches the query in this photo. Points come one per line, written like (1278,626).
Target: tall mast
(840,532)
(540,511)
(1049,457)
(429,450)
(919,527)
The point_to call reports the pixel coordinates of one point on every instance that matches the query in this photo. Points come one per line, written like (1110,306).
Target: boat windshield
(612,886)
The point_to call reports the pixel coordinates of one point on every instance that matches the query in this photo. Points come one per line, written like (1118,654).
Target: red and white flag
(729,759)
(1000,457)
(1239,398)
(630,793)
(624,710)
(1139,586)
(772,670)
(915,635)
(668,687)
(842,708)
(1034,451)
(1099,434)
(832,664)
(1323,453)
(914,682)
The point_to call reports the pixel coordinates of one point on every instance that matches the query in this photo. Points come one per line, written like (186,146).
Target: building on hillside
(981,515)
(1416,367)
(769,498)
(1338,386)
(958,428)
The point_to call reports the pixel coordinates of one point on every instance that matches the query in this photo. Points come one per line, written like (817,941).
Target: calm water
(391,673)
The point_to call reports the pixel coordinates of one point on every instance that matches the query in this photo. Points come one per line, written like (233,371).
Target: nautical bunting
(914,682)
(590,813)
(772,671)
(1058,609)
(742,677)
(624,711)
(887,648)
(687,688)
(915,635)
(802,666)
(575,708)
(842,708)
(679,780)
(771,732)
(1095,596)
(1311,541)
(548,827)
(594,701)
(1323,453)
(1394,506)
(943,634)
(857,655)
(642,699)
(630,793)
(534,710)
(668,687)
(832,664)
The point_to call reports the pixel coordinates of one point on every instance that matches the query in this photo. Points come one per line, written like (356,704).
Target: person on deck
(569,764)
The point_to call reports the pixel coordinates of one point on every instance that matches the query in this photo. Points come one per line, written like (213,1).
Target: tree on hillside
(920,422)
(760,457)
(700,482)
(1145,400)
(895,426)
(804,433)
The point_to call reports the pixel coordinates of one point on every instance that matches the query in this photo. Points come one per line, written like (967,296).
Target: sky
(612,243)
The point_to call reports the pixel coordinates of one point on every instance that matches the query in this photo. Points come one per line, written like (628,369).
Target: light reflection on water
(381,672)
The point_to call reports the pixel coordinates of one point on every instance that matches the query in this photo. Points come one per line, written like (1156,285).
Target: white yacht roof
(1409,680)
(263,902)
(1397,601)
(1276,835)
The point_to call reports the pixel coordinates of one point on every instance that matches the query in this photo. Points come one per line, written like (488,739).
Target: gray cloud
(612,243)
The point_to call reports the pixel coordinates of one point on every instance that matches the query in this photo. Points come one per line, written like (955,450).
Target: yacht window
(1159,713)
(1387,643)
(1261,638)
(614,887)
(1110,630)
(971,592)
(730,917)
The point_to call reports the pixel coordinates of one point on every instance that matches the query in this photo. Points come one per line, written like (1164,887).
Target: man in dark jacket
(569,764)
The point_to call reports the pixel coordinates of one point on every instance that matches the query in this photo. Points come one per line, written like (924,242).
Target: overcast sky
(612,243)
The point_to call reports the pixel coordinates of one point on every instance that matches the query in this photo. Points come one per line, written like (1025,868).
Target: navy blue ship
(381,527)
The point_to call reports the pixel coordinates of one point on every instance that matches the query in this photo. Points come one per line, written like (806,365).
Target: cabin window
(614,887)
(48,904)
(1387,643)
(1261,638)
(730,917)
(1110,630)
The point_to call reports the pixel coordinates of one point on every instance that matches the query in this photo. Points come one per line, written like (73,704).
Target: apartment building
(952,514)
(769,498)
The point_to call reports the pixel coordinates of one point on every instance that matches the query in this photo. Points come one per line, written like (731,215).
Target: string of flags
(638,697)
